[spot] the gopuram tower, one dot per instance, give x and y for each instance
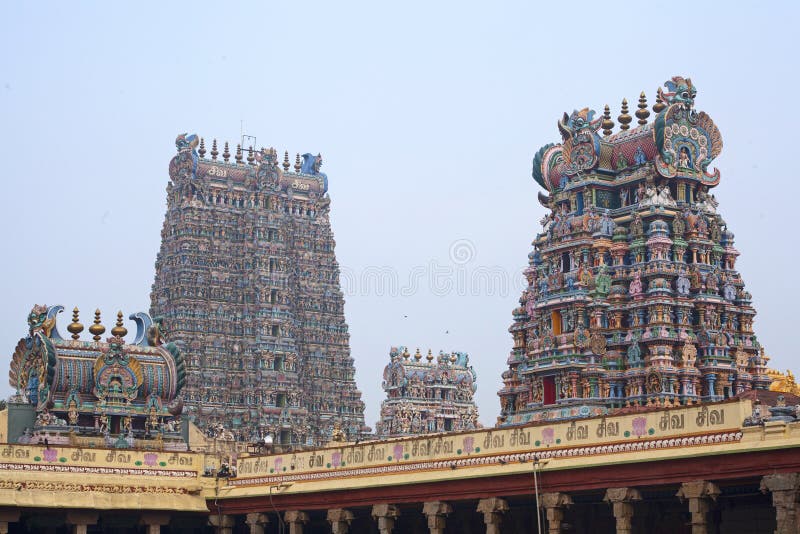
(633, 295)
(248, 283)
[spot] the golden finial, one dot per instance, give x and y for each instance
(607, 123)
(453, 359)
(226, 155)
(97, 329)
(642, 113)
(202, 149)
(214, 151)
(429, 357)
(297, 165)
(75, 328)
(406, 355)
(238, 154)
(286, 163)
(250, 157)
(417, 355)
(624, 119)
(659, 106)
(119, 330)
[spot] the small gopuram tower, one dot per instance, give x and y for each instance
(430, 395)
(93, 392)
(248, 284)
(633, 295)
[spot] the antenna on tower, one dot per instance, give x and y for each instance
(251, 138)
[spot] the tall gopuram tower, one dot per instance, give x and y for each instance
(247, 281)
(430, 395)
(633, 295)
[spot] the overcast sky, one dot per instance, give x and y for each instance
(427, 115)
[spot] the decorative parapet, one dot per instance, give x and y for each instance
(587, 440)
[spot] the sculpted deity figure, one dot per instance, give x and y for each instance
(636, 226)
(636, 284)
(639, 157)
(682, 284)
(623, 197)
(683, 159)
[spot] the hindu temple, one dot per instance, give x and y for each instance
(433, 394)
(633, 295)
(247, 283)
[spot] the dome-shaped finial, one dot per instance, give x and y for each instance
(238, 154)
(297, 165)
(406, 355)
(452, 358)
(624, 119)
(608, 123)
(417, 355)
(214, 151)
(202, 149)
(97, 329)
(286, 163)
(119, 330)
(75, 328)
(642, 113)
(429, 357)
(250, 157)
(659, 106)
(226, 154)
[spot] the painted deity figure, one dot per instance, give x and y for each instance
(634, 352)
(684, 162)
(729, 292)
(682, 284)
(606, 224)
(639, 156)
(636, 226)
(636, 284)
(623, 197)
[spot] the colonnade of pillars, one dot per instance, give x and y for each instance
(698, 495)
(81, 520)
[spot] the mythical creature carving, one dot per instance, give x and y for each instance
(311, 165)
(33, 364)
(581, 140)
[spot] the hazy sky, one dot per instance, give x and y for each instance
(427, 115)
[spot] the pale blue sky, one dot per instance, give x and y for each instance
(427, 115)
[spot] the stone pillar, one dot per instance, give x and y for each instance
(80, 520)
(296, 520)
(622, 499)
(492, 509)
(153, 521)
(340, 520)
(436, 512)
(783, 487)
(385, 514)
(554, 504)
(256, 522)
(7, 516)
(223, 524)
(699, 493)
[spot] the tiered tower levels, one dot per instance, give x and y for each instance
(430, 394)
(248, 281)
(633, 294)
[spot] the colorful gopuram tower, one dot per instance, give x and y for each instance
(633, 295)
(247, 281)
(430, 395)
(96, 393)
